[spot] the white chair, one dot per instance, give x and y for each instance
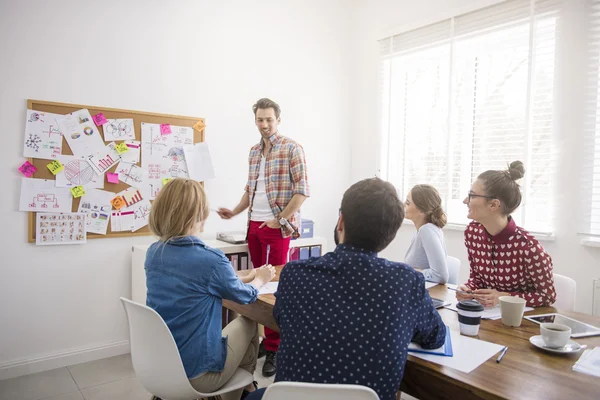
(318, 391)
(156, 360)
(453, 265)
(565, 288)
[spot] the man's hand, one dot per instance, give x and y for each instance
(273, 224)
(225, 213)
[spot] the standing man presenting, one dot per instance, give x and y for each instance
(277, 186)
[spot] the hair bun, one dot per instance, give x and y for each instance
(516, 170)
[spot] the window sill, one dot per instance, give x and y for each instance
(590, 241)
(542, 237)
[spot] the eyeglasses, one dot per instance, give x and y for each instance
(471, 195)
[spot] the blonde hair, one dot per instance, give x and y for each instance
(427, 199)
(179, 206)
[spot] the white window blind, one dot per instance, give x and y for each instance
(590, 192)
(470, 94)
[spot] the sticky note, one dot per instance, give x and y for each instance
(77, 191)
(166, 180)
(165, 129)
(199, 126)
(121, 148)
(112, 177)
(27, 169)
(55, 167)
(118, 202)
(99, 119)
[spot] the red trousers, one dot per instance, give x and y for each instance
(258, 240)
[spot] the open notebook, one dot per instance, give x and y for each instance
(445, 350)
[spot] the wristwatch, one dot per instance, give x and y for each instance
(282, 221)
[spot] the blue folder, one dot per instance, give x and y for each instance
(445, 350)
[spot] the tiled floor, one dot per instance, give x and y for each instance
(111, 378)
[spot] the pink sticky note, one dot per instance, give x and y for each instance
(27, 169)
(99, 119)
(165, 129)
(112, 178)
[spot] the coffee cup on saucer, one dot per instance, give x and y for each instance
(555, 335)
(469, 316)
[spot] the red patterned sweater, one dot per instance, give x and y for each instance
(512, 261)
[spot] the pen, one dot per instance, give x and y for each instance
(459, 291)
(502, 354)
(268, 251)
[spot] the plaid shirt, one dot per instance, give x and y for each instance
(285, 176)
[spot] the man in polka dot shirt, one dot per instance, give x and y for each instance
(348, 317)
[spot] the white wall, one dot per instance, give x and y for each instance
(209, 59)
(380, 18)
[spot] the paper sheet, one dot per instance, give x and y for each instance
(133, 154)
(488, 313)
(132, 175)
(43, 138)
(163, 155)
(81, 133)
(118, 129)
(130, 196)
(141, 212)
(77, 172)
(60, 228)
(104, 159)
(469, 353)
(42, 195)
(122, 221)
(96, 204)
(429, 285)
(269, 288)
(199, 162)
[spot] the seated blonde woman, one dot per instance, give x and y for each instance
(427, 251)
(187, 282)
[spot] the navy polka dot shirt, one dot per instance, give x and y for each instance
(348, 317)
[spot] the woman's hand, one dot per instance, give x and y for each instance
(488, 297)
(246, 275)
(464, 296)
(264, 275)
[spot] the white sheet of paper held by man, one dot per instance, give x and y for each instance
(43, 195)
(81, 133)
(96, 204)
(77, 172)
(199, 162)
(43, 138)
(66, 228)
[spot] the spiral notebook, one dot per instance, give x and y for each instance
(445, 350)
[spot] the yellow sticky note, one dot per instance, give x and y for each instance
(121, 148)
(166, 180)
(55, 167)
(199, 126)
(77, 191)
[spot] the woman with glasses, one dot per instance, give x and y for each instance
(427, 251)
(505, 259)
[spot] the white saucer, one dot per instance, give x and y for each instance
(571, 346)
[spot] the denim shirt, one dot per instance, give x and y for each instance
(349, 316)
(187, 282)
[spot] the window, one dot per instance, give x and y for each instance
(470, 94)
(590, 193)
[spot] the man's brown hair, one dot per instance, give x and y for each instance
(265, 103)
(372, 213)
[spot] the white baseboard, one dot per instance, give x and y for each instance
(13, 369)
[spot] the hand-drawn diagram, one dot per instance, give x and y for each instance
(43, 138)
(80, 132)
(130, 196)
(60, 229)
(103, 160)
(118, 129)
(142, 213)
(132, 175)
(79, 172)
(42, 195)
(96, 204)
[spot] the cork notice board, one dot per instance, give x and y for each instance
(110, 113)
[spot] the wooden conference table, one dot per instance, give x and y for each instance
(525, 372)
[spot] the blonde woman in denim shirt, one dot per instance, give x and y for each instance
(187, 282)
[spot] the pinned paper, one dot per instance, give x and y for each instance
(77, 191)
(165, 129)
(55, 167)
(118, 202)
(121, 148)
(27, 169)
(112, 177)
(166, 180)
(199, 126)
(99, 119)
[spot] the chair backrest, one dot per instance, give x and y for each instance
(154, 354)
(318, 391)
(566, 289)
(453, 265)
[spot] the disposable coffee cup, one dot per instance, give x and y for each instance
(469, 316)
(555, 336)
(511, 309)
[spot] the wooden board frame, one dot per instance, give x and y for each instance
(110, 113)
